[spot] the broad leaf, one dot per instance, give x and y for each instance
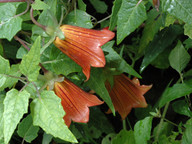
(4, 69)
(1, 115)
(181, 9)
(152, 26)
(162, 60)
(174, 92)
(47, 18)
(179, 57)
(159, 43)
(10, 81)
(82, 6)
(188, 30)
(124, 137)
(46, 138)
(130, 16)
(114, 60)
(48, 113)
(21, 52)
(15, 105)
(100, 6)
(166, 129)
(9, 23)
(4, 66)
(97, 83)
(39, 5)
(30, 62)
(26, 130)
(1, 49)
(105, 127)
(108, 138)
(61, 63)
(186, 139)
(142, 130)
(169, 20)
(79, 18)
(181, 107)
(114, 16)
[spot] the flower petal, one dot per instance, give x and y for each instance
(83, 46)
(75, 101)
(127, 94)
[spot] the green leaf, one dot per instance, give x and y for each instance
(188, 30)
(141, 113)
(124, 137)
(174, 92)
(97, 83)
(48, 113)
(108, 138)
(1, 50)
(2, 97)
(4, 69)
(188, 43)
(21, 52)
(114, 16)
(47, 18)
(181, 107)
(130, 16)
(162, 60)
(114, 60)
(10, 81)
(46, 138)
(159, 43)
(100, 6)
(181, 9)
(9, 23)
(26, 129)
(81, 5)
(179, 57)
(186, 139)
(4, 65)
(142, 130)
(105, 127)
(152, 26)
(25, 17)
(61, 63)
(166, 129)
(79, 18)
(10, 48)
(169, 20)
(30, 62)
(15, 105)
(39, 5)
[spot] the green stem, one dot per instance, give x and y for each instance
(173, 123)
(187, 97)
(47, 44)
(124, 124)
(161, 122)
(103, 19)
(20, 78)
(129, 124)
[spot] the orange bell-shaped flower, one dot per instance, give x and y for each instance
(75, 101)
(83, 46)
(127, 94)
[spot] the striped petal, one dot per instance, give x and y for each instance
(83, 46)
(127, 94)
(75, 101)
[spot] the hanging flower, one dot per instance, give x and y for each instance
(83, 46)
(75, 101)
(127, 94)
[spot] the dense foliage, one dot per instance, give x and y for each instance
(153, 41)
